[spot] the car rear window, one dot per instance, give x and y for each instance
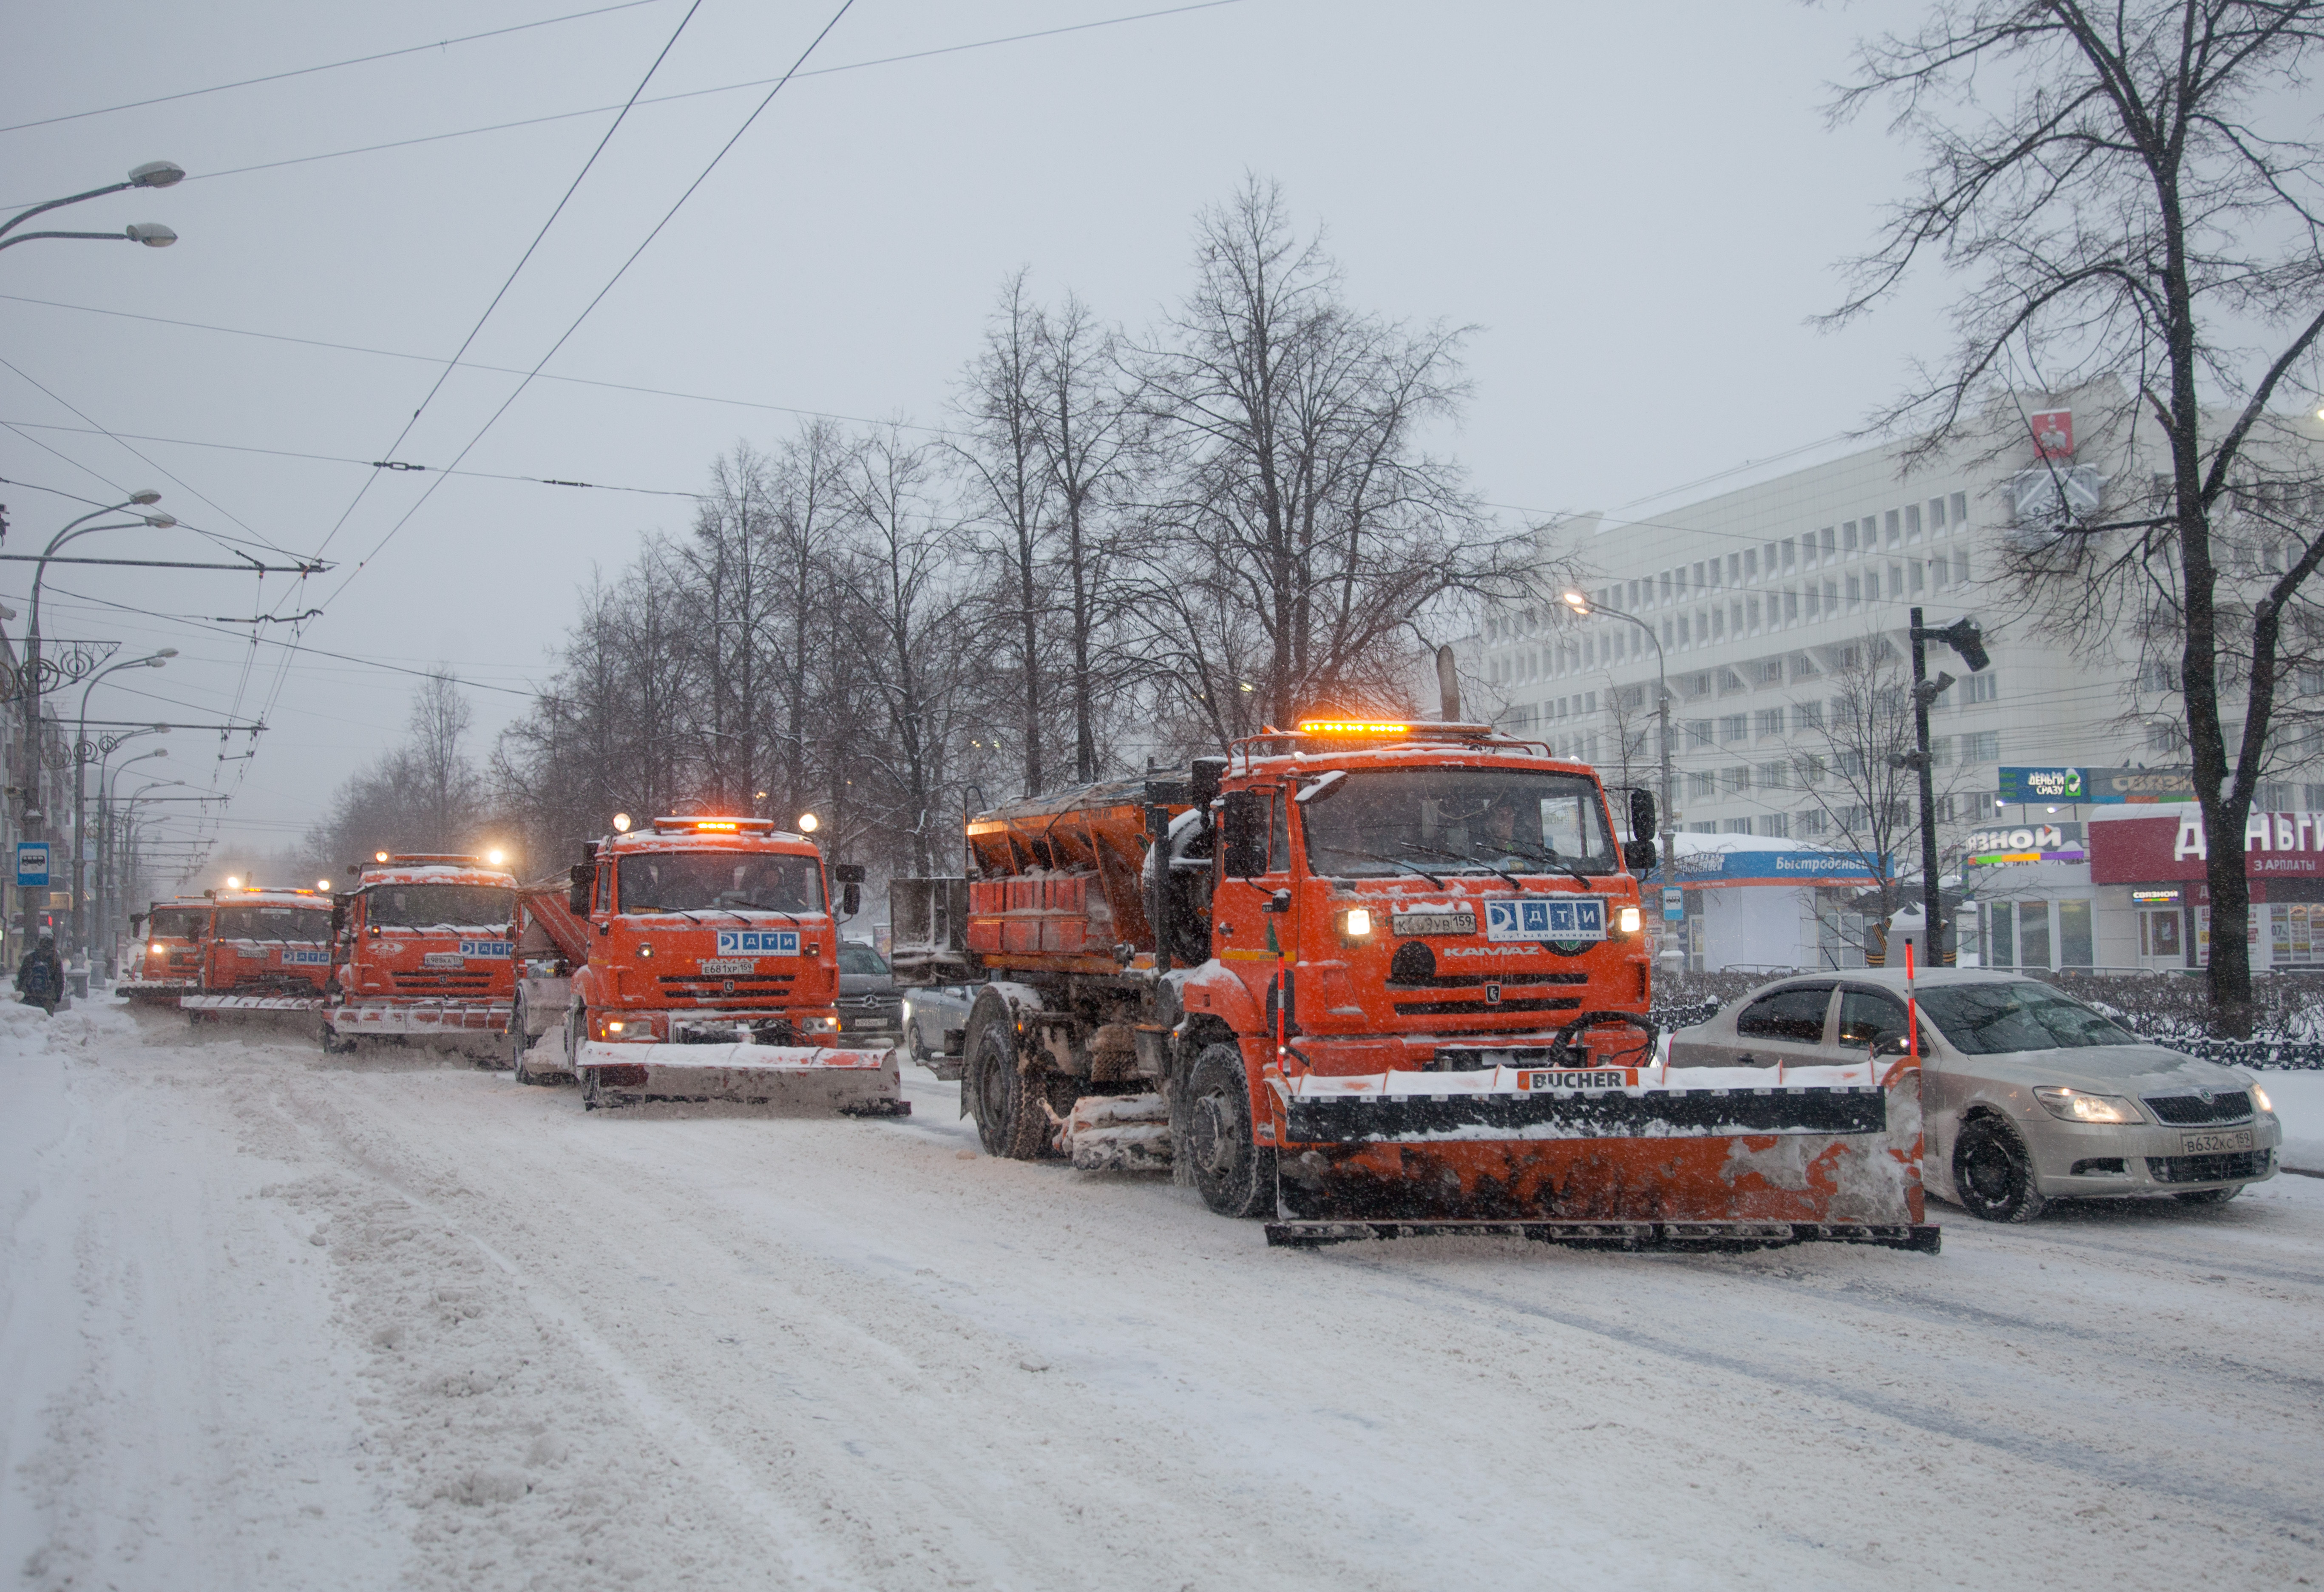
(1795, 1015)
(1866, 1017)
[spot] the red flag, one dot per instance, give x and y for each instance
(2054, 434)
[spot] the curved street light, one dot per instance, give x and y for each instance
(105, 809)
(152, 234)
(82, 748)
(1585, 608)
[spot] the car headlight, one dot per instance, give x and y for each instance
(2073, 1105)
(2265, 1103)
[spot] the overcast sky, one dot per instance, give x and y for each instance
(1638, 208)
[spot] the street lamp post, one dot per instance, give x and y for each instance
(105, 821)
(30, 677)
(1585, 607)
(152, 234)
(85, 751)
(1964, 637)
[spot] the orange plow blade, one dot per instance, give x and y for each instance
(1607, 1158)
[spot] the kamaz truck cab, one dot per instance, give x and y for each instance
(266, 950)
(423, 953)
(700, 961)
(167, 964)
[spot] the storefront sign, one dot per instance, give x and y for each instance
(1710, 869)
(2149, 850)
(2103, 786)
(2028, 843)
(2155, 897)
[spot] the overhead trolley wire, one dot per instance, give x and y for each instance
(645, 243)
(853, 65)
(328, 66)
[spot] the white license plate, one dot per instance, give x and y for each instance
(2215, 1143)
(1432, 922)
(727, 967)
(871, 1023)
(449, 961)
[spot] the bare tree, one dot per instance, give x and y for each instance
(1847, 752)
(2144, 207)
(1301, 500)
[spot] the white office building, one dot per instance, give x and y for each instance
(1780, 611)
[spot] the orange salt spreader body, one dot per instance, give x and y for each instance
(1376, 979)
(697, 959)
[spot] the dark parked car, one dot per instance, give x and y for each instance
(870, 1005)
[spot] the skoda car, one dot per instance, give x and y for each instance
(2030, 1095)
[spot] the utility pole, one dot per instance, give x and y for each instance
(1964, 637)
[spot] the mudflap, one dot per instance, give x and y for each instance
(795, 1077)
(1692, 1159)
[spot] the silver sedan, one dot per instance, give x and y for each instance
(2029, 1095)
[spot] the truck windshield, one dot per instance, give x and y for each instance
(721, 881)
(1456, 820)
(177, 922)
(439, 906)
(309, 924)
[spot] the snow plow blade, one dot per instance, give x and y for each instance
(233, 1002)
(425, 1017)
(856, 1082)
(153, 992)
(1608, 1157)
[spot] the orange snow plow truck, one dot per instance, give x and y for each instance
(695, 960)
(422, 954)
(168, 961)
(267, 952)
(1375, 980)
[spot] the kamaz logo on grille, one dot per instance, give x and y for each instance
(757, 942)
(1546, 917)
(483, 948)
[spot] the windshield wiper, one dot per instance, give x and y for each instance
(1394, 862)
(1555, 861)
(1514, 883)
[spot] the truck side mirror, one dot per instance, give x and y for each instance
(1642, 815)
(851, 898)
(1244, 852)
(848, 874)
(584, 879)
(1204, 788)
(1639, 856)
(338, 916)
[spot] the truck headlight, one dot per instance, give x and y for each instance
(1631, 919)
(2073, 1105)
(1360, 922)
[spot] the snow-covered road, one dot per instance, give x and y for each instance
(273, 1320)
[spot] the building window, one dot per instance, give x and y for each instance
(1788, 565)
(1855, 591)
(1981, 688)
(1936, 515)
(1848, 535)
(1811, 599)
(1807, 715)
(1913, 521)
(1736, 827)
(1825, 537)
(1941, 750)
(1791, 607)
(1735, 727)
(1754, 606)
(1735, 779)
(1698, 733)
(1771, 671)
(1896, 528)
(1776, 826)
(2168, 738)
(1960, 508)
(1984, 746)
(1916, 575)
(1701, 784)
(1811, 771)
(1810, 822)
(1772, 776)
(1768, 721)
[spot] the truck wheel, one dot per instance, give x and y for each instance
(517, 1037)
(1993, 1175)
(1010, 1122)
(336, 1044)
(1235, 1176)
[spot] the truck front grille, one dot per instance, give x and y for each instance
(1484, 1008)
